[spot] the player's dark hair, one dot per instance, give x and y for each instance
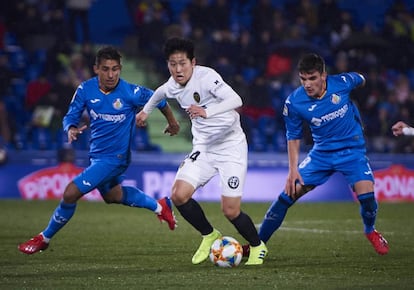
(107, 52)
(311, 62)
(177, 44)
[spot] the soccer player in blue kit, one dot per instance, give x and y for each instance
(323, 102)
(112, 104)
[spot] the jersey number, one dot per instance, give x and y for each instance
(194, 156)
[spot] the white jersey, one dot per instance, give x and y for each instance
(207, 89)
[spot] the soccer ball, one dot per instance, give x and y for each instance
(226, 252)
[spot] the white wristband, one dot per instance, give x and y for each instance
(408, 131)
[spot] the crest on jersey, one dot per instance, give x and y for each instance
(335, 99)
(196, 97)
(117, 104)
(233, 182)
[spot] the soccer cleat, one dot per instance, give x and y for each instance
(204, 249)
(33, 245)
(167, 213)
(378, 242)
(257, 254)
(246, 250)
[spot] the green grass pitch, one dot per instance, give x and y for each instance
(319, 246)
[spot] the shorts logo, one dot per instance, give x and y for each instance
(196, 97)
(233, 182)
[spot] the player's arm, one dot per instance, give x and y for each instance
(401, 128)
(293, 147)
(157, 97)
(72, 117)
(230, 100)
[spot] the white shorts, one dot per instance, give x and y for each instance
(230, 163)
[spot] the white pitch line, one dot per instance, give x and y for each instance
(318, 231)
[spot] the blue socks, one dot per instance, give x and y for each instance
(134, 197)
(368, 210)
(275, 216)
(60, 217)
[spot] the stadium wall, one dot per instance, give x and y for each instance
(38, 175)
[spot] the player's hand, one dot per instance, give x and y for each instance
(397, 128)
(140, 119)
(291, 187)
(73, 133)
(196, 111)
(172, 129)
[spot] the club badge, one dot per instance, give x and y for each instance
(196, 97)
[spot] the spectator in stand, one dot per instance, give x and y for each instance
(78, 12)
(78, 70)
(36, 89)
(262, 16)
(6, 77)
(200, 13)
(329, 14)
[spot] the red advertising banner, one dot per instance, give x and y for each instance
(395, 183)
(49, 183)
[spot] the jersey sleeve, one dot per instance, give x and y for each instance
(156, 100)
(76, 108)
(229, 99)
(293, 122)
(145, 95)
(353, 79)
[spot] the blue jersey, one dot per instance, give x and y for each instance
(334, 120)
(112, 116)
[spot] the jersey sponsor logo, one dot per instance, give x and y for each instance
(136, 90)
(196, 97)
(311, 108)
(316, 121)
(117, 104)
(233, 182)
(340, 113)
(94, 101)
(335, 99)
(107, 117)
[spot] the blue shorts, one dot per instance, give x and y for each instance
(318, 166)
(102, 174)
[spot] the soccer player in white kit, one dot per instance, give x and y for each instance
(219, 146)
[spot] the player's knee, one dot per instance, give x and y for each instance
(114, 195)
(71, 193)
(230, 212)
(181, 193)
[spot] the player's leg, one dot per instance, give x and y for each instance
(274, 216)
(192, 212)
(368, 211)
(246, 228)
(194, 172)
(315, 169)
(60, 217)
(358, 173)
(113, 192)
(132, 196)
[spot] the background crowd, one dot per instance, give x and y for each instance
(46, 50)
